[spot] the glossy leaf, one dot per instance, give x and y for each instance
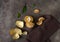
(24, 9)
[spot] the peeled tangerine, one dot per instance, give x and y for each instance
(29, 24)
(28, 19)
(16, 36)
(20, 24)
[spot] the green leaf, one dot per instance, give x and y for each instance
(18, 15)
(24, 9)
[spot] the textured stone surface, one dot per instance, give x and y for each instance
(8, 15)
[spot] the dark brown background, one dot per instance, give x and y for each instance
(8, 15)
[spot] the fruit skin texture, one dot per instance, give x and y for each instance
(28, 19)
(30, 25)
(20, 24)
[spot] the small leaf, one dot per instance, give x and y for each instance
(24, 9)
(18, 15)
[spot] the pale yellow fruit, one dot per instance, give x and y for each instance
(41, 19)
(20, 24)
(28, 19)
(39, 23)
(25, 33)
(15, 31)
(18, 31)
(29, 24)
(36, 11)
(16, 36)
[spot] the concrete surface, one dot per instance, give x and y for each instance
(10, 8)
